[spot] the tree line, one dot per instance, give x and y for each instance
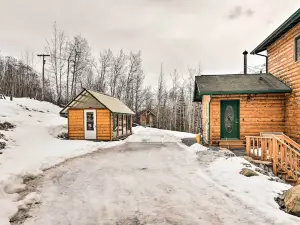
(72, 67)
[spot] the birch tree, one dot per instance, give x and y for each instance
(56, 47)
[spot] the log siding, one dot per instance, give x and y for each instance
(282, 63)
(258, 113)
(104, 124)
(76, 124)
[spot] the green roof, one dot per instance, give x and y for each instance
(281, 30)
(238, 84)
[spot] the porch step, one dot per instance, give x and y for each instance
(232, 144)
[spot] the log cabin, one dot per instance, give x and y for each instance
(97, 116)
(238, 105)
(282, 49)
(146, 118)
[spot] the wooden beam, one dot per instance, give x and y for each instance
(122, 124)
(248, 143)
(111, 125)
(117, 125)
(130, 124)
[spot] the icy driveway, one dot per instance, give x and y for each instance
(137, 183)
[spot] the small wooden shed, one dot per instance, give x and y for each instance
(239, 105)
(146, 118)
(97, 116)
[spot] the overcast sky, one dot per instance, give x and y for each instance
(177, 33)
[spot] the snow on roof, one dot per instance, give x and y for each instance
(86, 99)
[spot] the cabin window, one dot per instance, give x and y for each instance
(297, 48)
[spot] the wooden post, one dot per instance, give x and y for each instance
(275, 155)
(259, 156)
(281, 155)
(270, 148)
(122, 124)
(263, 148)
(111, 125)
(248, 143)
(117, 125)
(130, 124)
(253, 146)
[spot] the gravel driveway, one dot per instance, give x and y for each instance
(137, 183)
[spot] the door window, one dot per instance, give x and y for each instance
(229, 118)
(90, 121)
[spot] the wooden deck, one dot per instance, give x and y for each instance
(278, 149)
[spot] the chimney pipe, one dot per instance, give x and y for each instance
(245, 53)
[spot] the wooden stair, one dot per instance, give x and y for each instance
(282, 151)
(232, 144)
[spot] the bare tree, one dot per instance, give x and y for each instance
(134, 69)
(160, 90)
(80, 58)
(139, 78)
(117, 69)
(56, 47)
(102, 69)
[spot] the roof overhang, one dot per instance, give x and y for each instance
(198, 98)
(86, 95)
(198, 94)
(277, 34)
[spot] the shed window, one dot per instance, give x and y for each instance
(297, 48)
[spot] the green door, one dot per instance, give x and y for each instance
(230, 119)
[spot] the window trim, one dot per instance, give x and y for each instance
(297, 38)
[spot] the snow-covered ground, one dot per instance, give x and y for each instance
(150, 177)
(156, 183)
(147, 134)
(256, 192)
(32, 146)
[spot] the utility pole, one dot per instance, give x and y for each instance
(43, 78)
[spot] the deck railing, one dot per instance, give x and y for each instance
(283, 152)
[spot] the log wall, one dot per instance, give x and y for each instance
(258, 113)
(282, 64)
(76, 124)
(104, 124)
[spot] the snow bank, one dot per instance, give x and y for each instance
(257, 192)
(32, 146)
(147, 134)
(197, 148)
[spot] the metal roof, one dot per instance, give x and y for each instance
(281, 30)
(92, 99)
(238, 84)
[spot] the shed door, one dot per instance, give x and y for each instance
(230, 119)
(90, 129)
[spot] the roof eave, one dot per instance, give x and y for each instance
(246, 92)
(275, 35)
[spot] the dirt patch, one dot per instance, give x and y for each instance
(2, 145)
(63, 135)
(129, 221)
(31, 183)
(7, 126)
(32, 110)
